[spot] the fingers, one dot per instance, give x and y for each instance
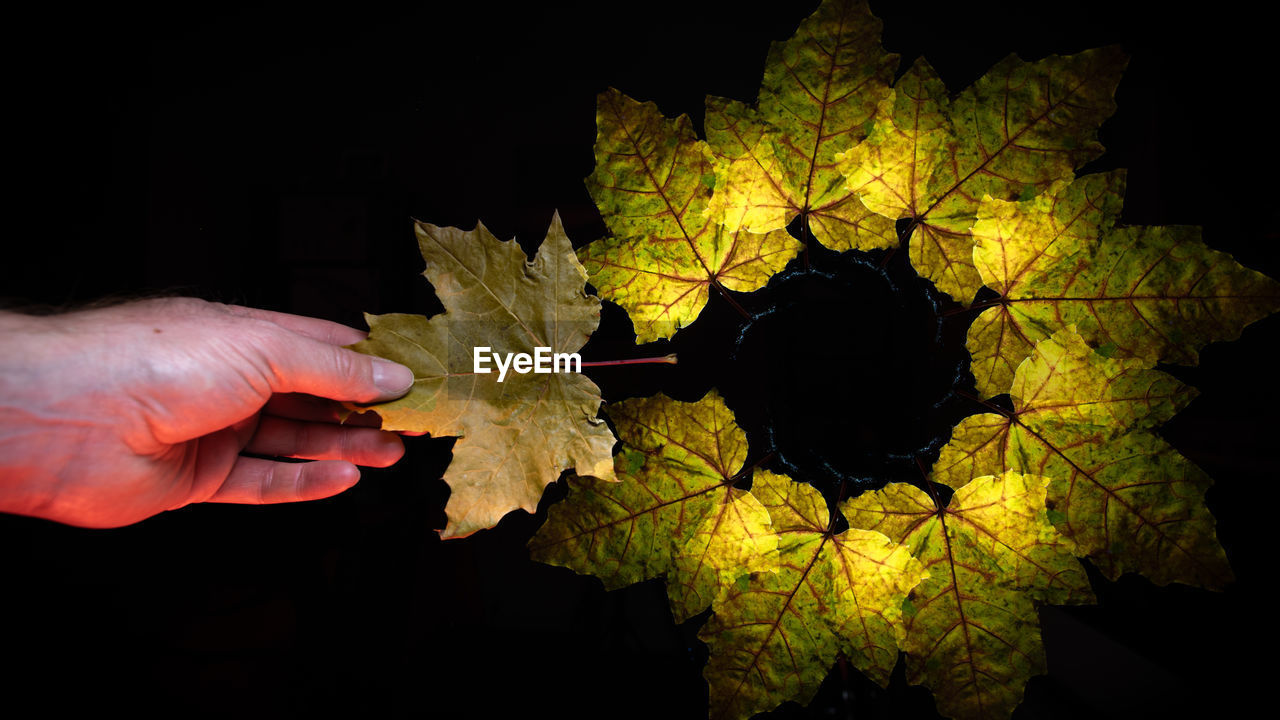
(307, 407)
(282, 437)
(305, 356)
(303, 365)
(331, 333)
(255, 481)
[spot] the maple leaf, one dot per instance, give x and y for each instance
(652, 183)
(1125, 497)
(1150, 292)
(788, 594)
(1019, 128)
(774, 635)
(516, 436)
(675, 511)
(972, 632)
(820, 91)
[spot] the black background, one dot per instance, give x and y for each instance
(274, 157)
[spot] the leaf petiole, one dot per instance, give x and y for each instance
(664, 360)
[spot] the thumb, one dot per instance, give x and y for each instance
(303, 365)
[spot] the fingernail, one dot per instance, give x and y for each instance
(391, 378)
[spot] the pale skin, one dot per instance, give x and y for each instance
(113, 415)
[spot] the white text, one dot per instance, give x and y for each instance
(542, 361)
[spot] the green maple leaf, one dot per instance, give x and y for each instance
(688, 216)
(774, 637)
(675, 512)
(1019, 128)
(820, 92)
(788, 594)
(515, 436)
(972, 632)
(1149, 292)
(653, 182)
(1124, 496)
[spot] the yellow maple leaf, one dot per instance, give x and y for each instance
(515, 435)
(972, 632)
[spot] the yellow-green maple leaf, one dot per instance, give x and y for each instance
(1151, 292)
(652, 183)
(1125, 497)
(1010, 135)
(516, 436)
(972, 632)
(778, 160)
(675, 511)
(774, 635)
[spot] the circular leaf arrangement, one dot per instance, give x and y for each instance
(840, 183)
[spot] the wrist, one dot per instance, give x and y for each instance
(29, 459)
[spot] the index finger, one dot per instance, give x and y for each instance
(323, 330)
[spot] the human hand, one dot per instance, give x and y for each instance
(112, 415)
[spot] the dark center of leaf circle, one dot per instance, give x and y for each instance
(848, 372)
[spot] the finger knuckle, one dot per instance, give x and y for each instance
(352, 367)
